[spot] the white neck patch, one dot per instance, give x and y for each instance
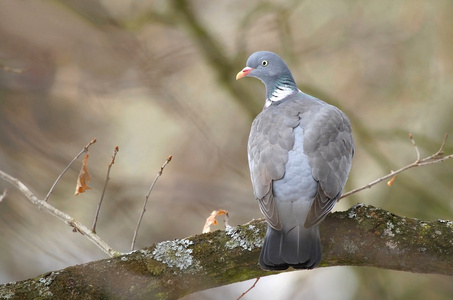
(279, 93)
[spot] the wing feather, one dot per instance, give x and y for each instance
(270, 140)
(330, 147)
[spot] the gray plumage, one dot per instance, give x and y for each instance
(300, 151)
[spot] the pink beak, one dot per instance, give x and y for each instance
(246, 71)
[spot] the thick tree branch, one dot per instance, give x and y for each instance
(361, 236)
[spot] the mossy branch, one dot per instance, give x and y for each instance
(361, 236)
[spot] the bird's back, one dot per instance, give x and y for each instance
(300, 151)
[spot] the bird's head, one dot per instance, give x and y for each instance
(264, 65)
(270, 69)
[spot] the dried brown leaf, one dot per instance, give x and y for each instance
(84, 177)
(390, 182)
(211, 220)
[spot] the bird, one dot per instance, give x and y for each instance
(300, 151)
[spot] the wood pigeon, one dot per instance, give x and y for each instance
(300, 151)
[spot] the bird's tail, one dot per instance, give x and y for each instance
(298, 247)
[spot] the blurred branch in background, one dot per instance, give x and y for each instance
(3, 195)
(212, 50)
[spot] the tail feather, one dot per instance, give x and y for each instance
(298, 247)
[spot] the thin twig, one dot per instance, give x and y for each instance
(417, 152)
(244, 293)
(441, 150)
(77, 226)
(226, 220)
(98, 209)
(146, 201)
(419, 162)
(3, 196)
(84, 150)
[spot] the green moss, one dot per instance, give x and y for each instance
(154, 267)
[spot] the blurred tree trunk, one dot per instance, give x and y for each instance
(361, 236)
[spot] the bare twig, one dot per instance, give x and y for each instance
(440, 152)
(146, 200)
(84, 150)
(3, 196)
(78, 227)
(244, 293)
(226, 220)
(115, 151)
(417, 152)
(419, 162)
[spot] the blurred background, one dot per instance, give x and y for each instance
(157, 78)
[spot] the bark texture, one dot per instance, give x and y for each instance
(360, 236)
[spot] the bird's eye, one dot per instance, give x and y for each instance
(264, 63)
